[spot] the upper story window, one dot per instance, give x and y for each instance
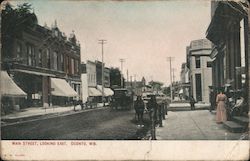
(72, 66)
(197, 62)
(31, 55)
(209, 64)
(62, 62)
(39, 63)
(77, 66)
(54, 64)
(19, 50)
(67, 64)
(48, 58)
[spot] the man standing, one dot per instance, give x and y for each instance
(152, 104)
(192, 102)
(139, 109)
(212, 99)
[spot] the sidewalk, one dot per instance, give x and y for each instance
(194, 125)
(186, 106)
(41, 111)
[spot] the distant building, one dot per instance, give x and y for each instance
(106, 77)
(199, 64)
(91, 73)
(92, 79)
(138, 87)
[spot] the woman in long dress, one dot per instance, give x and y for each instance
(221, 113)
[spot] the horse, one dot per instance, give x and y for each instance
(139, 110)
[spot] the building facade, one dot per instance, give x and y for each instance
(91, 73)
(38, 58)
(199, 64)
(106, 77)
(92, 80)
(185, 82)
(230, 46)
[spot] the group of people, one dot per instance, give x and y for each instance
(156, 109)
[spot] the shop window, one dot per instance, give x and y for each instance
(197, 62)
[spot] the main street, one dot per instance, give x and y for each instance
(102, 123)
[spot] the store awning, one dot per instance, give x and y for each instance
(33, 72)
(93, 92)
(60, 87)
(107, 91)
(9, 88)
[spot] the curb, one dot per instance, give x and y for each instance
(48, 116)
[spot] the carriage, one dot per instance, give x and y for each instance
(122, 99)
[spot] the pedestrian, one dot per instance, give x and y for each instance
(152, 106)
(221, 113)
(212, 99)
(192, 102)
(139, 109)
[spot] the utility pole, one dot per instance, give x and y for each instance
(174, 69)
(170, 59)
(102, 42)
(122, 60)
(127, 77)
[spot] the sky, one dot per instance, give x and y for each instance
(144, 33)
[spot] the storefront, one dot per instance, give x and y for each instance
(95, 95)
(11, 94)
(108, 93)
(62, 93)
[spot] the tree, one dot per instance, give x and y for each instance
(14, 21)
(166, 91)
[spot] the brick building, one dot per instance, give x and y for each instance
(44, 63)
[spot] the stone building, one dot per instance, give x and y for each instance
(229, 36)
(184, 82)
(199, 64)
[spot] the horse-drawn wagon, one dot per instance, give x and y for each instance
(122, 99)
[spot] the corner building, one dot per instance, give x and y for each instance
(199, 64)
